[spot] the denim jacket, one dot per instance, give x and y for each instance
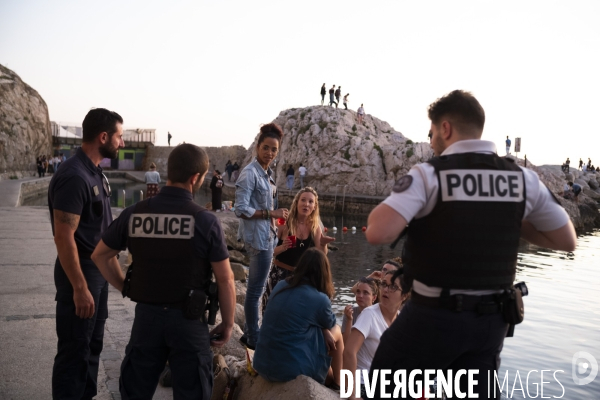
(254, 192)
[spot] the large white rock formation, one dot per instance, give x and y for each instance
(336, 150)
(24, 125)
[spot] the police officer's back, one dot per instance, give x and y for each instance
(176, 245)
(467, 209)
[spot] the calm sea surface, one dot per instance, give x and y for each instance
(562, 311)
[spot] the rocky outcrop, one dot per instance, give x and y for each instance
(25, 130)
(336, 150)
(217, 155)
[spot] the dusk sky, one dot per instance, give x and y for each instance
(212, 72)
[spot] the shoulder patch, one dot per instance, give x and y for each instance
(402, 184)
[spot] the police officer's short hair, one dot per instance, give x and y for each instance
(459, 106)
(99, 120)
(186, 160)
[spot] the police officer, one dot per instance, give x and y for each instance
(174, 243)
(467, 209)
(79, 204)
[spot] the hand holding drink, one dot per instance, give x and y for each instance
(292, 239)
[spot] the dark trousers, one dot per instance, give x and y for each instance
(75, 371)
(424, 337)
(160, 334)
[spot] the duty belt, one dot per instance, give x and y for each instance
(488, 304)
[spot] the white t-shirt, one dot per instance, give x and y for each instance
(302, 171)
(371, 324)
(361, 110)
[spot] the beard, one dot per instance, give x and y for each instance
(108, 151)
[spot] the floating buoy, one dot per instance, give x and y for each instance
(325, 229)
(353, 229)
(334, 229)
(345, 228)
(364, 228)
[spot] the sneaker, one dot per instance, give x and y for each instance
(244, 341)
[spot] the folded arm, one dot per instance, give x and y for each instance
(105, 259)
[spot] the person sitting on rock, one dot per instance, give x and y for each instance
(299, 334)
(565, 166)
(576, 190)
(303, 223)
(366, 293)
(373, 321)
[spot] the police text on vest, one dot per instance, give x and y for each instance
(163, 226)
(482, 185)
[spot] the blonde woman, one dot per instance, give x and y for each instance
(303, 224)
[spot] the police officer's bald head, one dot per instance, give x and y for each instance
(185, 161)
(462, 109)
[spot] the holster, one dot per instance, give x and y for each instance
(195, 304)
(513, 309)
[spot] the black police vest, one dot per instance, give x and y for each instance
(166, 265)
(471, 237)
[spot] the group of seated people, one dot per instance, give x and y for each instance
(299, 333)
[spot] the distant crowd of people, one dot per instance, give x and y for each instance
(585, 167)
(334, 98)
(49, 164)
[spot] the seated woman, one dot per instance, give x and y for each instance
(372, 322)
(299, 334)
(304, 223)
(366, 295)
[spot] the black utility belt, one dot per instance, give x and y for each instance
(486, 304)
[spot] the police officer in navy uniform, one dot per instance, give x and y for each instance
(467, 209)
(79, 204)
(176, 245)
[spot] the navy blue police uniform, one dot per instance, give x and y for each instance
(80, 188)
(465, 210)
(172, 241)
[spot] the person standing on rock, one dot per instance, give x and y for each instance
(360, 114)
(565, 167)
(152, 179)
(461, 276)
(216, 188)
(338, 93)
(580, 164)
(323, 93)
(256, 205)
(169, 136)
(229, 169)
(235, 168)
(289, 176)
(302, 171)
(170, 282)
(79, 205)
(331, 95)
(508, 143)
(346, 101)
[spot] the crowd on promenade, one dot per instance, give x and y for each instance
(49, 164)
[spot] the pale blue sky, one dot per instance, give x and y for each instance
(212, 72)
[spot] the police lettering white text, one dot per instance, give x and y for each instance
(482, 185)
(163, 226)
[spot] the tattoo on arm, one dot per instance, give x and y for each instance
(72, 220)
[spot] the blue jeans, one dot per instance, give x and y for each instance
(301, 181)
(260, 264)
(290, 182)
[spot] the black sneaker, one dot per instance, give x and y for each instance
(244, 341)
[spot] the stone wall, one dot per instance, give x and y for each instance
(217, 155)
(35, 188)
(24, 126)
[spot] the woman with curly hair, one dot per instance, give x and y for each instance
(303, 224)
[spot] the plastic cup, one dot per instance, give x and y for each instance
(281, 221)
(293, 239)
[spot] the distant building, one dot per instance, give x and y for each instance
(66, 139)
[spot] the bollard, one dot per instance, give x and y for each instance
(124, 199)
(141, 195)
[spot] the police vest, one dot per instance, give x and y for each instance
(471, 237)
(166, 265)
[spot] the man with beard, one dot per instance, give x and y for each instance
(176, 246)
(79, 204)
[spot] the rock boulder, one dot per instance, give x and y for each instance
(25, 131)
(302, 387)
(336, 150)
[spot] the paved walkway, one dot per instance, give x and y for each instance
(27, 307)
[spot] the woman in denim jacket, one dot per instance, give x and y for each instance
(255, 203)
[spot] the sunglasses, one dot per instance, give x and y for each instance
(106, 185)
